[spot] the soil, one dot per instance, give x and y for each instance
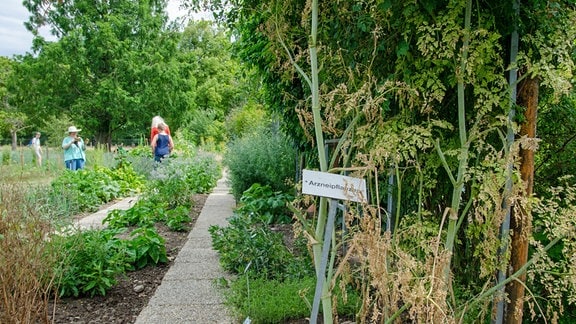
(130, 295)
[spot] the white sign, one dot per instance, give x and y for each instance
(333, 186)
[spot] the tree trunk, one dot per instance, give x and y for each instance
(14, 140)
(521, 219)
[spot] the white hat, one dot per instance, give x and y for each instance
(73, 129)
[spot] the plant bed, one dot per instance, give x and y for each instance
(130, 295)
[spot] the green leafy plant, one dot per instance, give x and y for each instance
(276, 301)
(177, 218)
(248, 240)
(263, 201)
(90, 261)
(146, 247)
(144, 213)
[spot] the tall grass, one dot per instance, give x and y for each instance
(26, 275)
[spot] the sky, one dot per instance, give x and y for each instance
(15, 39)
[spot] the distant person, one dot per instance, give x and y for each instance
(154, 128)
(73, 145)
(35, 144)
(162, 143)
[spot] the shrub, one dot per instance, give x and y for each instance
(264, 157)
(247, 240)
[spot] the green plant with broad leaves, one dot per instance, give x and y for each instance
(88, 189)
(90, 261)
(176, 219)
(144, 213)
(146, 247)
(270, 205)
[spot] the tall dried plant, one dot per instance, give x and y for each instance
(26, 275)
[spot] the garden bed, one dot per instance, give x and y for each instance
(125, 301)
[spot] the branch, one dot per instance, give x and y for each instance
(298, 68)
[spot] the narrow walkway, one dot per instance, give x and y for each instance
(188, 293)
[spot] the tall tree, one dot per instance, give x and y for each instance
(205, 48)
(113, 67)
(12, 119)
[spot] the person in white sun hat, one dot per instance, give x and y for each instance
(73, 145)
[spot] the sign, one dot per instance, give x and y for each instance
(335, 186)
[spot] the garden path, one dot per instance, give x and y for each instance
(188, 293)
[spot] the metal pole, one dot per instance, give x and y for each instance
(321, 274)
(505, 227)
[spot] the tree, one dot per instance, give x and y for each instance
(11, 118)
(113, 68)
(219, 87)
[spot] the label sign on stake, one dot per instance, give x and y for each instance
(333, 186)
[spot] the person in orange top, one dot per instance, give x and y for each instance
(154, 129)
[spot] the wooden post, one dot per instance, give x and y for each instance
(521, 219)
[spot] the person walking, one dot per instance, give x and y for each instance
(35, 143)
(157, 120)
(73, 145)
(162, 143)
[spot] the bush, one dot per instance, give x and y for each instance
(265, 157)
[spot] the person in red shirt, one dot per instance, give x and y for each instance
(154, 129)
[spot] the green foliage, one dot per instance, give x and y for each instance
(177, 218)
(247, 119)
(551, 277)
(100, 67)
(146, 247)
(88, 189)
(143, 213)
(90, 261)
(274, 301)
(218, 83)
(269, 205)
(265, 157)
(248, 243)
(178, 178)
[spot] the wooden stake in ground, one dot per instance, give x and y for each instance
(521, 218)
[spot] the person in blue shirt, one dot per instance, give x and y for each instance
(162, 143)
(73, 145)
